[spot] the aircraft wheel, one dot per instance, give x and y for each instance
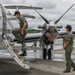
(49, 54)
(44, 53)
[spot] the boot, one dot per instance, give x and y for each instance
(44, 53)
(66, 71)
(74, 69)
(23, 54)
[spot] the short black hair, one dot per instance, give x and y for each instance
(16, 12)
(69, 27)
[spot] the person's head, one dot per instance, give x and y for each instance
(68, 28)
(17, 14)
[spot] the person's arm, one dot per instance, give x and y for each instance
(23, 28)
(66, 44)
(67, 41)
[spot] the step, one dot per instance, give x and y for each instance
(21, 58)
(12, 44)
(16, 52)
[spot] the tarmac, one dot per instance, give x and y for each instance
(8, 68)
(38, 67)
(56, 66)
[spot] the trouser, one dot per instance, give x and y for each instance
(69, 62)
(17, 34)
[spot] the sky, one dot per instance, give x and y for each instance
(52, 10)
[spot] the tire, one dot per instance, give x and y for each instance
(44, 53)
(49, 54)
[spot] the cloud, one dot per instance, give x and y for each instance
(52, 10)
(48, 4)
(13, 2)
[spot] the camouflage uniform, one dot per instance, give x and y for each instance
(17, 32)
(68, 51)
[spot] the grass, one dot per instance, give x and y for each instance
(33, 31)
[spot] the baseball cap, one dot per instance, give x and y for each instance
(69, 27)
(16, 12)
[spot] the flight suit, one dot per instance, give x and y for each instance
(17, 32)
(68, 51)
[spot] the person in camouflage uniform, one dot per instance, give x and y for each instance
(68, 47)
(22, 31)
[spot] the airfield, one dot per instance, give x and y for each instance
(34, 58)
(38, 66)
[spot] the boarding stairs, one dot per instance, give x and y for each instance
(14, 53)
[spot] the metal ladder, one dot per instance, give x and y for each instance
(14, 54)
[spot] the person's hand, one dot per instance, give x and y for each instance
(22, 32)
(64, 48)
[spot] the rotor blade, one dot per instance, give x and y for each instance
(41, 15)
(63, 14)
(21, 7)
(59, 33)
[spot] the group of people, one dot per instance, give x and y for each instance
(68, 41)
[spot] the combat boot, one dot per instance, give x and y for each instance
(23, 54)
(74, 69)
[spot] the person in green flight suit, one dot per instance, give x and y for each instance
(68, 47)
(21, 32)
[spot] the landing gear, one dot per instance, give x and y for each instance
(44, 53)
(47, 52)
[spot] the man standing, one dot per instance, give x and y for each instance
(68, 47)
(22, 31)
